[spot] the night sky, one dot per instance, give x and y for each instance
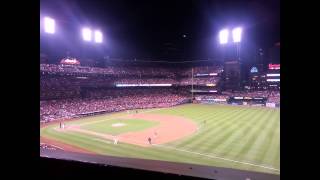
(159, 29)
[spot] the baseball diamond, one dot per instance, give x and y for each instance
(186, 88)
(246, 138)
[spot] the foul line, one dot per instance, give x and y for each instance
(217, 157)
(182, 150)
(100, 140)
(52, 146)
(57, 147)
(202, 154)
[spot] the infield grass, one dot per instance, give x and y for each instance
(237, 137)
(124, 125)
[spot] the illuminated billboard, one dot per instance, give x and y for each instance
(273, 75)
(274, 66)
(210, 84)
(273, 80)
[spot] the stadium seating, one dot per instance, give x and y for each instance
(110, 101)
(67, 91)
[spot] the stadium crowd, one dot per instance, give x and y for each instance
(201, 70)
(251, 94)
(204, 97)
(49, 82)
(141, 71)
(70, 91)
(199, 81)
(109, 70)
(146, 81)
(274, 97)
(109, 101)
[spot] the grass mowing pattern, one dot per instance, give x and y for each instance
(246, 134)
(129, 125)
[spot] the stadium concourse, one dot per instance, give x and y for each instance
(72, 91)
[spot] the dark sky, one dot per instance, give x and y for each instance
(155, 28)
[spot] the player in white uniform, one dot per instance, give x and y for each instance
(115, 141)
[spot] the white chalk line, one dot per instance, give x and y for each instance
(182, 150)
(56, 146)
(217, 157)
(206, 155)
(100, 140)
(52, 146)
(123, 140)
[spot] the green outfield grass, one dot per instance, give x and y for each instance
(237, 137)
(130, 125)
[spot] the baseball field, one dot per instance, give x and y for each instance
(239, 137)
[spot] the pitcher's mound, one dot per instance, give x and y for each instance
(118, 124)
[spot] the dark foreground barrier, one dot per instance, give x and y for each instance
(108, 166)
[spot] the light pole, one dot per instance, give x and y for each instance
(224, 36)
(236, 35)
(232, 80)
(47, 33)
(223, 40)
(90, 37)
(49, 25)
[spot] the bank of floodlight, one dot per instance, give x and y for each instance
(49, 25)
(98, 36)
(223, 36)
(86, 34)
(236, 34)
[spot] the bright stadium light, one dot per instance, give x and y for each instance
(86, 34)
(49, 25)
(272, 75)
(236, 34)
(98, 36)
(223, 36)
(273, 80)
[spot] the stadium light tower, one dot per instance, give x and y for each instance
(49, 25)
(86, 34)
(236, 34)
(98, 36)
(223, 36)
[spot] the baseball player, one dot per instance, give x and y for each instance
(115, 141)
